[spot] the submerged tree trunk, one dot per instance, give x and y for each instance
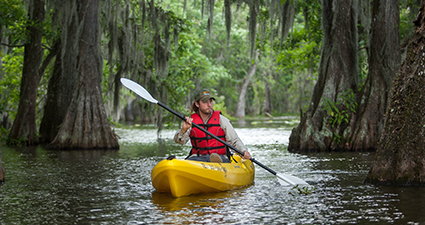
(384, 61)
(320, 127)
(86, 124)
(400, 158)
(24, 127)
(61, 83)
(240, 108)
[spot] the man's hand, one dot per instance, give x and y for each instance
(246, 155)
(187, 124)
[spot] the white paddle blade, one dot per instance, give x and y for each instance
(287, 180)
(138, 89)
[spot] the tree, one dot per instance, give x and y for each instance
(61, 83)
(86, 124)
(352, 119)
(338, 74)
(384, 62)
(1, 170)
(240, 108)
(400, 156)
(24, 126)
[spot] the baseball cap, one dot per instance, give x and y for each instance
(203, 95)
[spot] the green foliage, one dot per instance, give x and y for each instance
(337, 111)
(113, 123)
(11, 83)
(306, 190)
(16, 142)
(408, 12)
(341, 110)
(219, 106)
(4, 133)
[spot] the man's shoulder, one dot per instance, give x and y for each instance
(224, 119)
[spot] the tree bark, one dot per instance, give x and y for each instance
(384, 61)
(267, 109)
(338, 72)
(400, 158)
(240, 108)
(86, 124)
(59, 93)
(1, 170)
(24, 127)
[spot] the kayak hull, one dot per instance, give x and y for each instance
(185, 177)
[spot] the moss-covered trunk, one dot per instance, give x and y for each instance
(319, 127)
(384, 62)
(86, 124)
(61, 83)
(400, 158)
(340, 118)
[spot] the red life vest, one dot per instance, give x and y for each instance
(202, 143)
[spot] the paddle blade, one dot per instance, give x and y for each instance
(138, 89)
(286, 180)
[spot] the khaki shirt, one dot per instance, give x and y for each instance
(231, 137)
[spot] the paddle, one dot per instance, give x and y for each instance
(284, 179)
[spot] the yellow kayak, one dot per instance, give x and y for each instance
(185, 177)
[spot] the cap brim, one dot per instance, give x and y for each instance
(206, 97)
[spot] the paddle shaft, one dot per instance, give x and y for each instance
(215, 137)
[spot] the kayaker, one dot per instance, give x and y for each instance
(204, 147)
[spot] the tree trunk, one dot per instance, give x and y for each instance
(400, 158)
(320, 130)
(240, 108)
(1, 170)
(267, 109)
(24, 126)
(86, 124)
(384, 61)
(59, 93)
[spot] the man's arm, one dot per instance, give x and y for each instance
(182, 138)
(231, 136)
(183, 135)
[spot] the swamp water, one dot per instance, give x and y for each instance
(114, 187)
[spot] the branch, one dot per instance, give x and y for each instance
(14, 46)
(52, 53)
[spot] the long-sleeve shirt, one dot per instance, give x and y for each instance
(231, 136)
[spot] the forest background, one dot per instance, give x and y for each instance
(258, 57)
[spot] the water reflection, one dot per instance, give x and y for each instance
(94, 187)
(167, 202)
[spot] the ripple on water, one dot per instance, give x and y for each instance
(92, 187)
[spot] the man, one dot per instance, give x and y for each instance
(204, 147)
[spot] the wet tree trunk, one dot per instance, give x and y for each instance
(61, 83)
(240, 108)
(86, 124)
(24, 127)
(384, 61)
(338, 74)
(400, 158)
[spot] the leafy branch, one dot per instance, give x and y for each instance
(340, 111)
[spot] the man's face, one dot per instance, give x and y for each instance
(205, 107)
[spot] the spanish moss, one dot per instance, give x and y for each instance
(228, 19)
(253, 5)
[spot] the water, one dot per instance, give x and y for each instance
(113, 187)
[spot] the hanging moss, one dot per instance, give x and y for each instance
(253, 5)
(228, 19)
